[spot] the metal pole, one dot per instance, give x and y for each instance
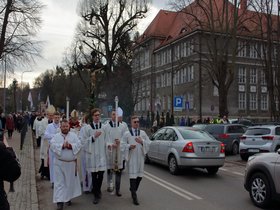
(4, 92)
(67, 107)
(116, 104)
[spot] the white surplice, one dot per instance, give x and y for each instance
(86, 176)
(50, 131)
(66, 182)
(44, 147)
(136, 157)
(95, 150)
(114, 155)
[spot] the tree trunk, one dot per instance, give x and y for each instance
(223, 103)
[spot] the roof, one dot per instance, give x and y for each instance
(168, 26)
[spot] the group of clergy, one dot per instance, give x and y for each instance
(100, 148)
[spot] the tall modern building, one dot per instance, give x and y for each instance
(174, 57)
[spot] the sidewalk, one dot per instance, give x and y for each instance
(25, 196)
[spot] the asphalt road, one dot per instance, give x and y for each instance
(159, 190)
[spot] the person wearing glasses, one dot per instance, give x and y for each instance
(137, 145)
(94, 142)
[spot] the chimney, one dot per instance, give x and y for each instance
(243, 4)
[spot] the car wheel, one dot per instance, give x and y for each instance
(276, 149)
(173, 166)
(235, 148)
(147, 159)
(260, 191)
(244, 157)
(212, 170)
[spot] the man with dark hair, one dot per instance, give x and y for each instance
(93, 139)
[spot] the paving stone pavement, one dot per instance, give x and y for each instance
(25, 196)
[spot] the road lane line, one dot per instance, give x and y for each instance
(154, 178)
(169, 188)
(233, 172)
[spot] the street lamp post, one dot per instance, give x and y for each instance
(22, 88)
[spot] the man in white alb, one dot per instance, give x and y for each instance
(65, 146)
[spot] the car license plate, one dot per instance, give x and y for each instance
(208, 149)
(253, 150)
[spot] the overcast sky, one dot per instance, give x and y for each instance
(59, 22)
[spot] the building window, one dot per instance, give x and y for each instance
(242, 49)
(253, 50)
(253, 76)
(184, 75)
(242, 101)
(168, 80)
(264, 102)
(177, 52)
(190, 100)
(190, 73)
(276, 103)
(263, 81)
(253, 101)
(242, 75)
(168, 103)
(158, 82)
(168, 59)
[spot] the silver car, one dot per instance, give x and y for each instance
(179, 147)
(264, 138)
(261, 178)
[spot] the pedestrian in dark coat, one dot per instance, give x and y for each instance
(9, 171)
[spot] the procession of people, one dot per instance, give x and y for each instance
(77, 154)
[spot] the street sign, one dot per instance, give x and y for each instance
(178, 103)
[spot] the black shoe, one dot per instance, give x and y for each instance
(69, 203)
(118, 194)
(135, 201)
(95, 200)
(59, 206)
(134, 198)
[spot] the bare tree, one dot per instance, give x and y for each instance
(218, 23)
(20, 21)
(105, 23)
(267, 22)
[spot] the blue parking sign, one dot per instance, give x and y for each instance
(178, 103)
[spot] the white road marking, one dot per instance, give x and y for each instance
(233, 172)
(177, 190)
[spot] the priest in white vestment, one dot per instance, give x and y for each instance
(137, 144)
(65, 146)
(95, 148)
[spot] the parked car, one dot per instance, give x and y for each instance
(262, 138)
(228, 134)
(241, 121)
(200, 126)
(261, 178)
(180, 147)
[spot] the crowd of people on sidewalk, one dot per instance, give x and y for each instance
(101, 149)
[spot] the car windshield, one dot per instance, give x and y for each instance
(257, 131)
(214, 129)
(194, 134)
